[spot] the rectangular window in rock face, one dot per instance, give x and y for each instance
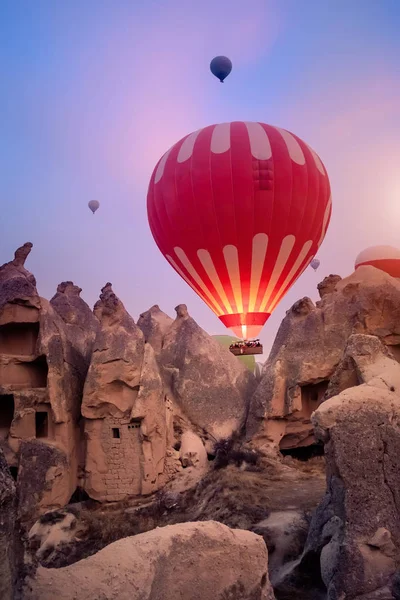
(312, 395)
(6, 414)
(19, 339)
(42, 424)
(115, 433)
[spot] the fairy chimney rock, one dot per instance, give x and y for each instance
(210, 385)
(182, 311)
(113, 378)
(154, 323)
(17, 284)
(328, 285)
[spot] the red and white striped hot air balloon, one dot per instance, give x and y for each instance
(385, 258)
(239, 210)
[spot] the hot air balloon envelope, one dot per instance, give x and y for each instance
(239, 210)
(221, 66)
(315, 263)
(93, 205)
(385, 258)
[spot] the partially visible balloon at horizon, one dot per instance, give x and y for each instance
(384, 258)
(93, 205)
(314, 264)
(221, 66)
(239, 210)
(226, 341)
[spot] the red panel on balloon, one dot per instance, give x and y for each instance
(239, 210)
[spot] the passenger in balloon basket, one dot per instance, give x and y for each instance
(242, 345)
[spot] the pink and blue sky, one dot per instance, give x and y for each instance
(94, 92)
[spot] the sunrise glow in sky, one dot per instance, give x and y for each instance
(94, 92)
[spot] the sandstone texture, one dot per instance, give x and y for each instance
(11, 551)
(196, 561)
(355, 532)
(112, 383)
(192, 451)
(51, 533)
(154, 323)
(124, 408)
(285, 535)
(208, 383)
(40, 379)
(80, 322)
(309, 347)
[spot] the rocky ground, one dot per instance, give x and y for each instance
(271, 498)
(239, 496)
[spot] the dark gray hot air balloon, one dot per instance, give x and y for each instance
(221, 66)
(93, 205)
(314, 264)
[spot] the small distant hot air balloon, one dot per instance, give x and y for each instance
(93, 205)
(239, 210)
(221, 66)
(314, 264)
(385, 258)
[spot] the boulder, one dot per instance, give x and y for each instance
(11, 548)
(44, 479)
(192, 451)
(365, 359)
(285, 534)
(200, 561)
(154, 323)
(112, 382)
(309, 347)
(356, 530)
(208, 383)
(50, 533)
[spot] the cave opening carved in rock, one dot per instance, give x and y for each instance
(299, 431)
(6, 414)
(44, 424)
(19, 339)
(304, 453)
(312, 395)
(14, 472)
(41, 424)
(23, 374)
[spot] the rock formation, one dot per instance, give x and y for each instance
(80, 322)
(124, 409)
(192, 451)
(16, 283)
(112, 382)
(308, 348)
(11, 550)
(200, 561)
(40, 383)
(285, 534)
(154, 323)
(355, 532)
(209, 384)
